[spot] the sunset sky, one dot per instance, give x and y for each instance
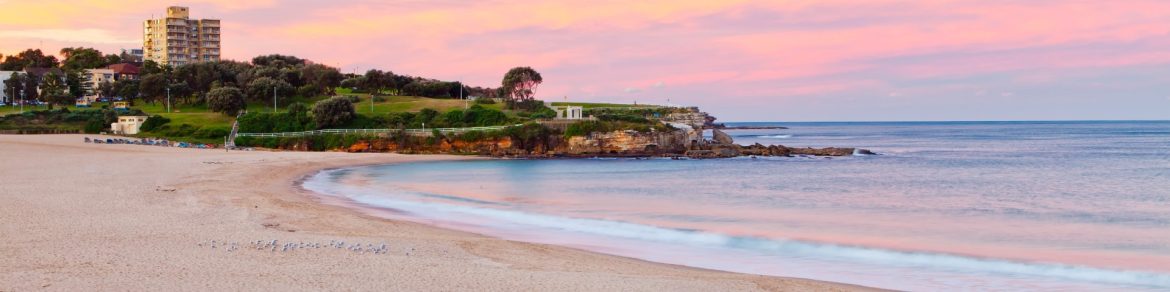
(739, 60)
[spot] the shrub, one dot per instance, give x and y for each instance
(544, 113)
(298, 108)
(425, 116)
(379, 99)
(226, 100)
(333, 112)
(623, 118)
(95, 125)
(485, 101)
(153, 122)
(584, 128)
(308, 90)
(211, 132)
(404, 119)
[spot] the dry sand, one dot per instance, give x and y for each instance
(83, 217)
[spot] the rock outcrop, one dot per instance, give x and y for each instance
(685, 142)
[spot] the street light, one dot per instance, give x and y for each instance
(168, 98)
(22, 100)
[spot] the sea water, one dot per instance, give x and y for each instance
(946, 206)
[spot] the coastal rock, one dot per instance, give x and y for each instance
(625, 143)
(721, 137)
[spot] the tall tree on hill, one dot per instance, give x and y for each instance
(278, 61)
(73, 82)
(114, 59)
(82, 58)
(31, 58)
(54, 90)
(375, 81)
(126, 88)
(153, 87)
(261, 90)
(106, 89)
(321, 78)
(520, 83)
(151, 67)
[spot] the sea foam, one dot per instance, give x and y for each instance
(517, 220)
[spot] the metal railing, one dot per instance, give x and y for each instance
(414, 132)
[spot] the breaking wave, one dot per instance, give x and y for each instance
(780, 136)
(509, 219)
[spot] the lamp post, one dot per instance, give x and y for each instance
(168, 98)
(22, 100)
(274, 99)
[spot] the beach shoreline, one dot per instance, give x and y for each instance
(133, 217)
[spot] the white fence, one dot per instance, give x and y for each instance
(426, 132)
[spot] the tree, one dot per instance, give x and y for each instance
(333, 112)
(321, 78)
(73, 83)
(226, 100)
(260, 89)
(126, 88)
(14, 85)
(521, 82)
(151, 67)
(153, 87)
(376, 80)
(54, 90)
(106, 89)
(276, 60)
(82, 58)
(28, 59)
(114, 59)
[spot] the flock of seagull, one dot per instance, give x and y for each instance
(275, 245)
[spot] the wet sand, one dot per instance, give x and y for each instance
(77, 216)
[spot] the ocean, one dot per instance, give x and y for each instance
(1072, 206)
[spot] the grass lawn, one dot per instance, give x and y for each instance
(593, 105)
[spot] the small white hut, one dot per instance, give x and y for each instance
(128, 125)
(570, 112)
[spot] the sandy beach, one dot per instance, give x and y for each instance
(77, 216)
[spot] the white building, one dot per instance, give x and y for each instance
(569, 112)
(128, 125)
(94, 78)
(5, 95)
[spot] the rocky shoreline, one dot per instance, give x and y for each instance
(683, 138)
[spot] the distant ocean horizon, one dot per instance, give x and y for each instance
(972, 205)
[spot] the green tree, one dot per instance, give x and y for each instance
(106, 89)
(521, 82)
(28, 59)
(320, 78)
(260, 89)
(153, 87)
(14, 85)
(226, 100)
(126, 88)
(333, 112)
(82, 58)
(151, 67)
(375, 81)
(54, 90)
(73, 82)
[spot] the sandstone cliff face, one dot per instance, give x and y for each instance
(679, 143)
(625, 143)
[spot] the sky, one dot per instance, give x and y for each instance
(797, 60)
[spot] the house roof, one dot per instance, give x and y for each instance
(124, 68)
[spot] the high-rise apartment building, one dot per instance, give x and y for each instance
(177, 39)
